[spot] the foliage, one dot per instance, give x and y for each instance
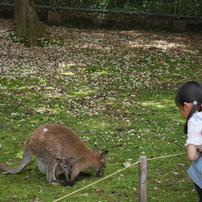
(177, 7)
(43, 42)
(115, 87)
(172, 7)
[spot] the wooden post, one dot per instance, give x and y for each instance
(54, 18)
(179, 25)
(143, 179)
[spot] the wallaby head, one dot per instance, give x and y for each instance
(100, 165)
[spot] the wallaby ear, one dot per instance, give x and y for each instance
(103, 154)
(95, 149)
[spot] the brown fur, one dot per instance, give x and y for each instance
(52, 141)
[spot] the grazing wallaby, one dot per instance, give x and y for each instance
(51, 141)
(64, 166)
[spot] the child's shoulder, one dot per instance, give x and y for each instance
(198, 113)
(197, 116)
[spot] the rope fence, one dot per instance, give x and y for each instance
(142, 177)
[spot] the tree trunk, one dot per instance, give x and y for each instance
(27, 23)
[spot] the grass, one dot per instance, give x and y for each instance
(124, 101)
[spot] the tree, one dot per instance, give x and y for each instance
(27, 23)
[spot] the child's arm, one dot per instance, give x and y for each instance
(192, 152)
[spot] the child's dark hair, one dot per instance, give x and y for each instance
(189, 92)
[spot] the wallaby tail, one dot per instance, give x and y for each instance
(25, 160)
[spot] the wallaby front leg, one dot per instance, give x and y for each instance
(66, 176)
(74, 174)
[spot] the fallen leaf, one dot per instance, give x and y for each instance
(84, 194)
(126, 164)
(146, 130)
(99, 190)
(27, 177)
(36, 200)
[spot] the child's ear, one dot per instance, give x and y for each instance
(188, 105)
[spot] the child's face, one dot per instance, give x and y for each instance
(185, 109)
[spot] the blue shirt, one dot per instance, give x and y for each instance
(195, 172)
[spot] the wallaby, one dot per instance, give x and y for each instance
(50, 142)
(64, 166)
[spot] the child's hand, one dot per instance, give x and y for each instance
(199, 148)
(194, 151)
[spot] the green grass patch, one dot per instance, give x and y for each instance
(122, 98)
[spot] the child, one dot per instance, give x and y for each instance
(189, 101)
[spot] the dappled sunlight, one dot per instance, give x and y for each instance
(153, 104)
(19, 154)
(161, 45)
(82, 93)
(159, 103)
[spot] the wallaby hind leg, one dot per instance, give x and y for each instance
(41, 166)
